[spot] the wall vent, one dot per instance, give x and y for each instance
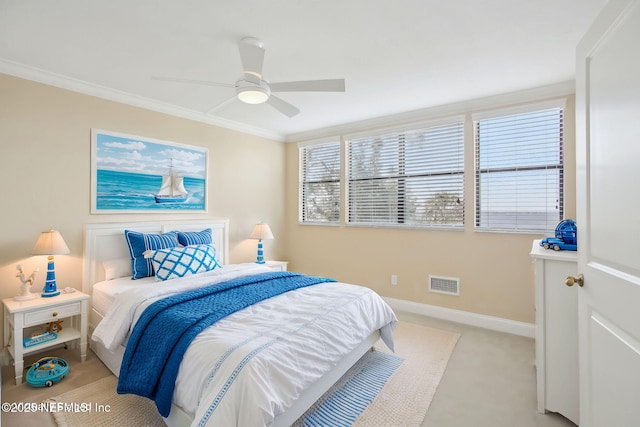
(444, 285)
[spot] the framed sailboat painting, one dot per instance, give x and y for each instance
(133, 174)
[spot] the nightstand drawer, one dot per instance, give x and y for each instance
(37, 317)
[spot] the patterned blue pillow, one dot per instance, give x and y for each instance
(138, 243)
(177, 262)
(187, 238)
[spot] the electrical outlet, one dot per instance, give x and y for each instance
(394, 279)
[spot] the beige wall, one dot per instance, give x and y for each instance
(45, 140)
(495, 270)
(45, 173)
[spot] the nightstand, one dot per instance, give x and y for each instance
(277, 265)
(19, 315)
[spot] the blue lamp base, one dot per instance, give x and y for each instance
(260, 258)
(50, 288)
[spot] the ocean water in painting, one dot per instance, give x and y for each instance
(132, 191)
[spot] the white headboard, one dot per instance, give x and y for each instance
(105, 241)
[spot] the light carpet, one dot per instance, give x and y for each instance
(402, 401)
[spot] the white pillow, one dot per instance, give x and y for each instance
(116, 268)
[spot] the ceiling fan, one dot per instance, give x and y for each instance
(251, 88)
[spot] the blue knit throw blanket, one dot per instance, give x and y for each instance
(166, 328)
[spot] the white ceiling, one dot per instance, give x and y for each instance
(396, 56)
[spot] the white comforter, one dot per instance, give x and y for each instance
(251, 366)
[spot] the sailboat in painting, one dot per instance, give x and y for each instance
(172, 189)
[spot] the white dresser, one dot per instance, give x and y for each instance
(556, 331)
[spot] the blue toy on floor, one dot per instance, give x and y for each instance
(47, 371)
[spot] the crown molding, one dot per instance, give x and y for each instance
(58, 80)
(496, 101)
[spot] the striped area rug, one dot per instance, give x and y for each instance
(353, 393)
(404, 392)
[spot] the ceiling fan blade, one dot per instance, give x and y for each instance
(282, 106)
(333, 85)
(252, 56)
(191, 81)
(221, 105)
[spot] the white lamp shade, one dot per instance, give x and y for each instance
(261, 232)
(50, 242)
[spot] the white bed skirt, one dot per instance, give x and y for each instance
(179, 418)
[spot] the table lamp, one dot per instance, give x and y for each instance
(261, 232)
(50, 243)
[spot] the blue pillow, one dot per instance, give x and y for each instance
(138, 243)
(177, 262)
(186, 238)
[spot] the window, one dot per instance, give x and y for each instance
(410, 178)
(320, 183)
(519, 170)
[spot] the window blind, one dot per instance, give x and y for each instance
(407, 178)
(320, 183)
(519, 171)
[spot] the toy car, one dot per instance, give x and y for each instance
(566, 237)
(47, 371)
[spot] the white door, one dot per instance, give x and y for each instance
(608, 183)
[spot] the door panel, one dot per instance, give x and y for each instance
(614, 164)
(613, 352)
(608, 202)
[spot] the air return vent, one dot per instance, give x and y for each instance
(444, 285)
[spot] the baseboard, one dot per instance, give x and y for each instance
(465, 317)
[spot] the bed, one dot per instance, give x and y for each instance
(265, 364)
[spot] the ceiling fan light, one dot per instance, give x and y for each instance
(253, 95)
